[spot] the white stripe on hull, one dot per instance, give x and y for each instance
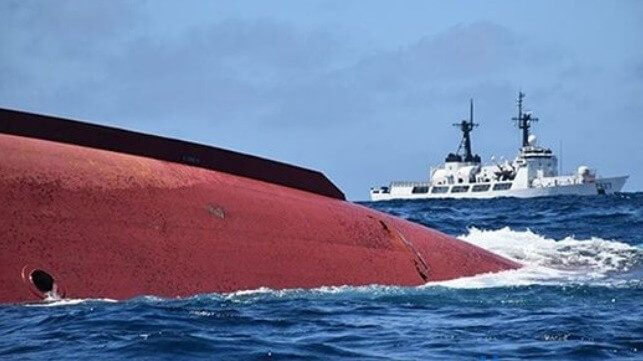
(609, 185)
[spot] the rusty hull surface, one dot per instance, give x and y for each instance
(106, 224)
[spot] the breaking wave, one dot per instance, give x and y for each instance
(549, 261)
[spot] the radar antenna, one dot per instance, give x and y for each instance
(524, 120)
(466, 126)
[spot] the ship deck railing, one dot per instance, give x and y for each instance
(410, 184)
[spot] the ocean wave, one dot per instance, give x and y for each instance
(595, 255)
(547, 261)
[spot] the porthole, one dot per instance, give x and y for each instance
(43, 281)
(43, 284)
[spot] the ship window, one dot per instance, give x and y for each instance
(481, 187)
(459, 189)
(420, 189)
(439, 189)
(501, 186)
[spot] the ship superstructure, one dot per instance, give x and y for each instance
(533, 172)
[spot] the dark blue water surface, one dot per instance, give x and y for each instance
(579, 296)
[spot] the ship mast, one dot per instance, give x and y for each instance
(466, 126)
(524, 120)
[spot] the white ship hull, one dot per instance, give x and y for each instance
(600, 186)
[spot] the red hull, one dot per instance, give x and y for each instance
(112, 225)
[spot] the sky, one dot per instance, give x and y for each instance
(364, 91)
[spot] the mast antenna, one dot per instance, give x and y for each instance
(560, 164)
(466, 126)
(471, 111)
(524, 120)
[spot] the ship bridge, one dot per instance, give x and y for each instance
(532, 150)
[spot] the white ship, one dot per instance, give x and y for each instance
(533, 173)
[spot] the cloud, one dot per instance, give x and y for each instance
(420, 75)
(226, 71)
(104, 60)
(638, 71)
(480, 59)
(92, 59)
(66, 28)
(458, 53)
(54, 51)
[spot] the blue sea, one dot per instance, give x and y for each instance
(579, 297)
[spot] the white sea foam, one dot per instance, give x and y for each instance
(69, 302)
(251, 295)
(548, 261)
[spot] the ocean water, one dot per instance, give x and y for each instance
(579, 297)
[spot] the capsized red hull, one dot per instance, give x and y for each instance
(105, 224)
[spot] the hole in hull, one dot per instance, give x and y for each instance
(43, 281)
